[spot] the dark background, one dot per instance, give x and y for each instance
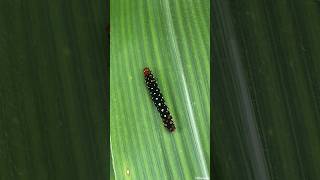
(266, 89)
(53, 90)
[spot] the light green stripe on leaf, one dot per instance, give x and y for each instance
(156, 34)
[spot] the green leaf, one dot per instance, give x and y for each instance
(52, 90)
(266, 101)
(172, 39)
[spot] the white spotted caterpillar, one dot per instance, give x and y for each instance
(158, 100)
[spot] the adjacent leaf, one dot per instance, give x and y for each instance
(266, 91)
(53, 90)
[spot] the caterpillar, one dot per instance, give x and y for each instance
(158, 100)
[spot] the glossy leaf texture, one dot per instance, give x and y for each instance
(267, 88)
(171, 38)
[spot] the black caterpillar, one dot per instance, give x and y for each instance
(158, 99)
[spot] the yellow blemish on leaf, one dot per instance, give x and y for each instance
(127, 172)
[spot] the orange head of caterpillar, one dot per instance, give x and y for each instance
(146, 71)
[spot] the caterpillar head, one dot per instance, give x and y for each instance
(146, 71)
